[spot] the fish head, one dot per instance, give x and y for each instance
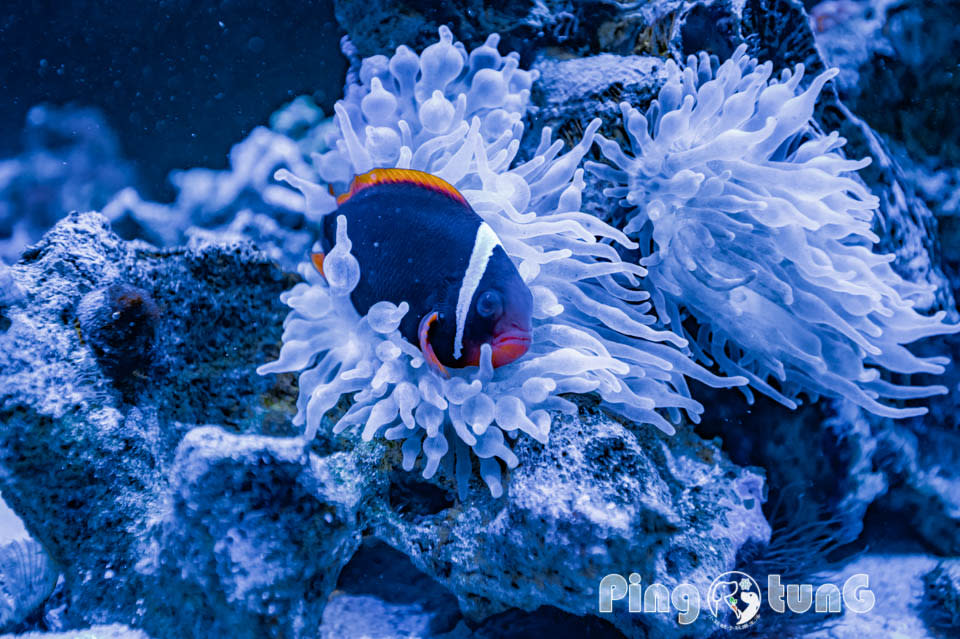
(501, 314)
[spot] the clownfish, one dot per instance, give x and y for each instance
(417, 240)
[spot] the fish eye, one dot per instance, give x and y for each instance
(489, 304)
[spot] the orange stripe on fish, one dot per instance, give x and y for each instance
(426, 347)
(376, 177)
(317, 259)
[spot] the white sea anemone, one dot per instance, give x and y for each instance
(459, 117)
(753, 222)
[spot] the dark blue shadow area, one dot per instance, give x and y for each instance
(180, 81)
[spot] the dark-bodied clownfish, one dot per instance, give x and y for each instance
(418, 240)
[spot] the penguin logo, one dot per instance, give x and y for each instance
(734, 600)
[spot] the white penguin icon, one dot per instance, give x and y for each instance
(752, 600)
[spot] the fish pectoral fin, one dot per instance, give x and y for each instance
(423, 333)
(317, 259)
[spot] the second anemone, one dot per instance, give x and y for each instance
(753, 223)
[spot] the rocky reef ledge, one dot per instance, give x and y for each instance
(174, 498)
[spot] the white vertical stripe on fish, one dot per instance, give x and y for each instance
(483, 247)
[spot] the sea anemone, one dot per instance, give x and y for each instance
(213, 201)
(459, 117)
(753, 222)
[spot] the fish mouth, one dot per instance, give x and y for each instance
(510, 346)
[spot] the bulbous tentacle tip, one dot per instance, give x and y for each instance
(670, 430)
(712, 233)
(952, 328)
(593, 167)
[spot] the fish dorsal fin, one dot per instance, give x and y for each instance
(376, 177)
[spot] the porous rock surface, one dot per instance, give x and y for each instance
(111, 631)
(598, 499)
(185, 529)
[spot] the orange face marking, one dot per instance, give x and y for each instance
(423, 333)
(400, 176)
(317, 259)
(509, 348)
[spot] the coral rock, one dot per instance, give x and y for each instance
(598, 499)
(258, 526)
(942, 600)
